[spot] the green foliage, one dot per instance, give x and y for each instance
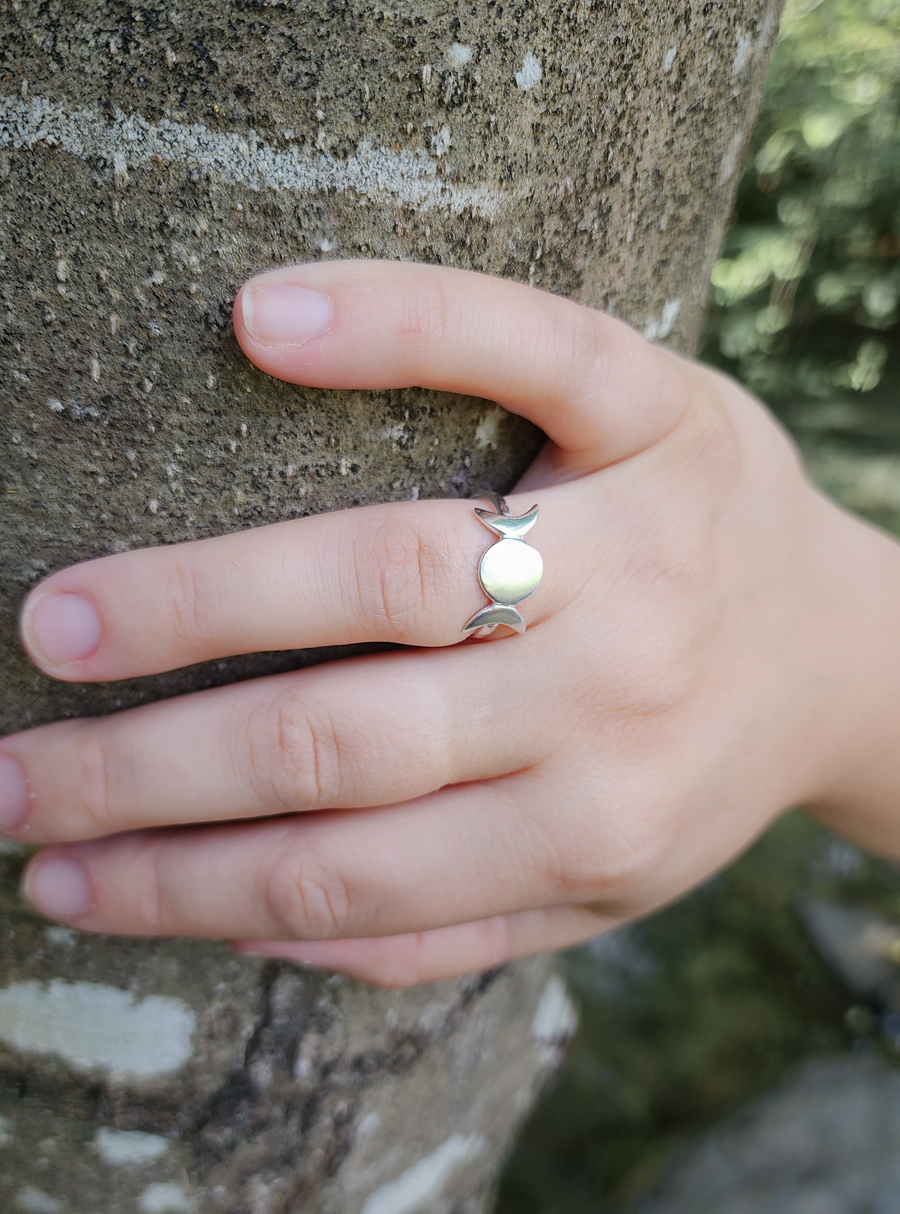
(806, 297)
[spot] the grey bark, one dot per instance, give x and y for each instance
(151, 157)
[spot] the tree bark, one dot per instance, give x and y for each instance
(152, 156)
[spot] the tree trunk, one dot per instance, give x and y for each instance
(151, 157)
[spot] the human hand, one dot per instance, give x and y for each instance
(686, 673)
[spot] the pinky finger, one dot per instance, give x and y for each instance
(444, 952)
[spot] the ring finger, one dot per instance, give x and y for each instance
(457, 854)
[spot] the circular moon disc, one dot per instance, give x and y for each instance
(510, 571)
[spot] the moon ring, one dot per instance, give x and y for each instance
(508, 572)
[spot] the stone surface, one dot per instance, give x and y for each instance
(827, 1142)
(153, 155)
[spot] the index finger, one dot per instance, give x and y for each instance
(595, 386)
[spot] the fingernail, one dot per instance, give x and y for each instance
(279, 314)
(58, 887)
(62, 628)
(13, 794)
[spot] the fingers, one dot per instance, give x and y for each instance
(591, 383)
(396, 573)
(461, 853)
(403, 573)
(444, 952)
(368, 731)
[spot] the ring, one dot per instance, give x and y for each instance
(509, 571)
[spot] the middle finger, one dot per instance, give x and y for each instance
(362, 732)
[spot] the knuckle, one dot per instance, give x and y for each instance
(553, 864)
(431, 315)
(400, 572)
(634, 857)
(649, 674)
(95, 780)
(715, 449)
(306, 896)
(614, 841)
(659, 687)
(586, 347)
(185, 602)
(624, 859)
(677, 551)
(295, 754)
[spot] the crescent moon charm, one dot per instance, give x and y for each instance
(509, 571)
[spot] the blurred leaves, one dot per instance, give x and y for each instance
(806, 296)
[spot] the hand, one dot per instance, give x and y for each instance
(692, 664)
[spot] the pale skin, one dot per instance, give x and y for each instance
(713, 643)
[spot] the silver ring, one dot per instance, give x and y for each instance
(509, 571)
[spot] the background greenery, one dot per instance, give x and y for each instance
(692, 1012)
(805, 296)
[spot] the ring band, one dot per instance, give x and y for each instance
(509, 571)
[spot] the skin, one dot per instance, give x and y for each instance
(713, 642)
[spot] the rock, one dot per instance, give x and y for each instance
(826, 1142)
